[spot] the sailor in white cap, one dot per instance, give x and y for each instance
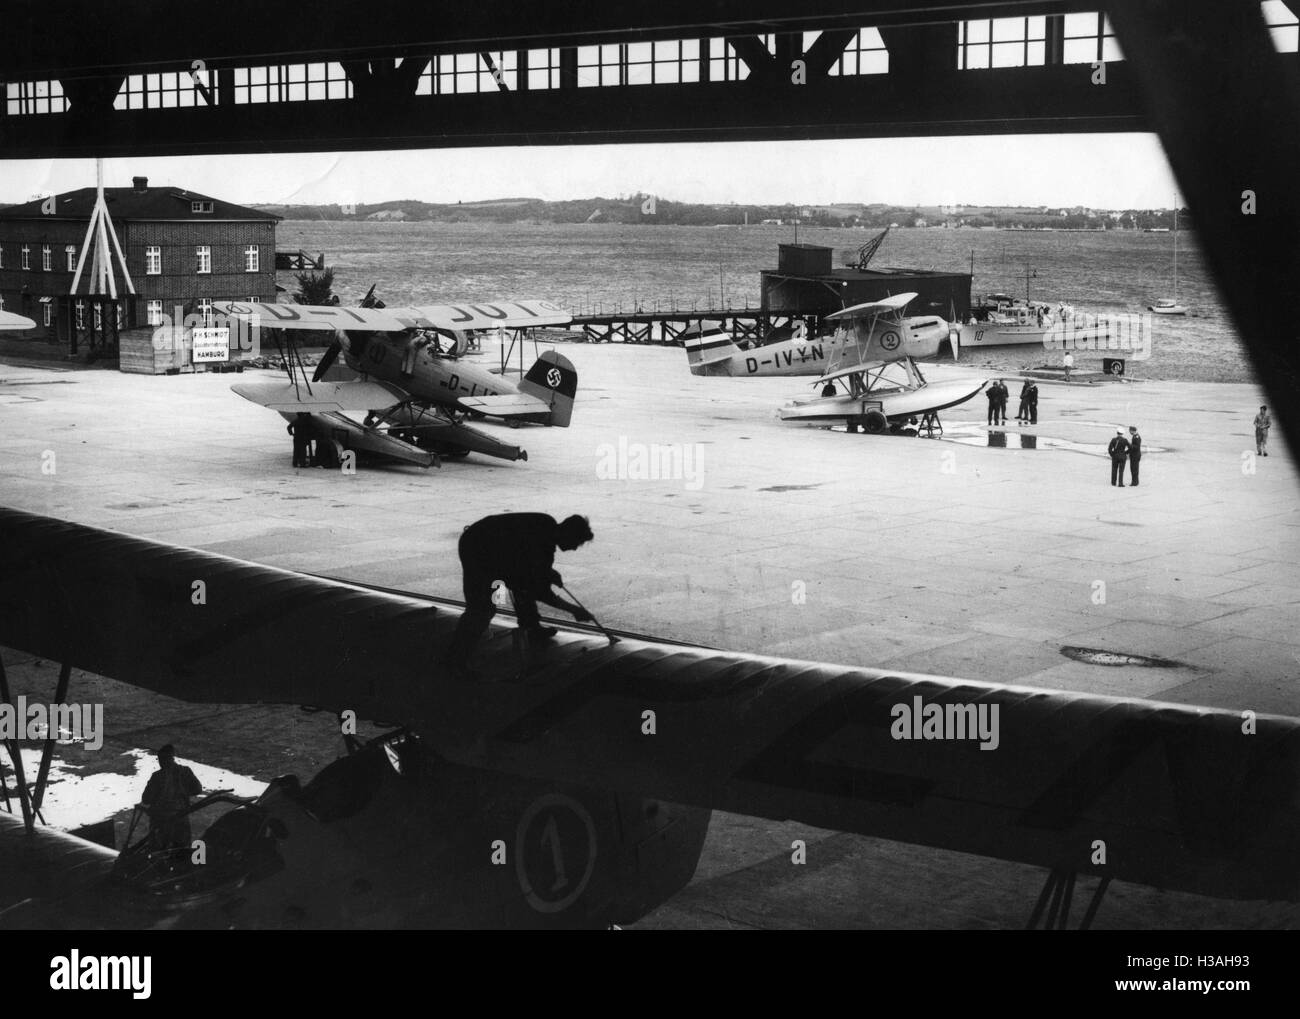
(1118, 450)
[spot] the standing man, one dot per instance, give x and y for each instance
(1068, 362)
(1118, 450)
(1022, 412)
(992, 393)
(519, 549)
(1032, 393)
(166, 800)
(1134, 454)
(1262, 424)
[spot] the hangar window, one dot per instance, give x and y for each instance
(153, 260)
(23, 97)
(165, 90)
(1283, 25)
(70, 253)
(469, 73)
(1001, 42)
(1089, 38)
(543, 69)
(291, 83)
(725, 64)
(865, 54)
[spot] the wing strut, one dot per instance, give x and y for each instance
(30, 799)
(1060, 887)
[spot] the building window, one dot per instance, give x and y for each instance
(27, 257)
(153, 260)
(203, 254)
(254, 300)
(154, 311)
(1089, 38)
(1002, 42)
(290, 83)
(205, 310)
(204, 206)
(99, 316)
(45, 313)
(80, 311)
(252, 258)
(47, 258)
(70, 251)
(24, 97)
(2, 257)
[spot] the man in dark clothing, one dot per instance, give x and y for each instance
(1022, 412)
(1134, 454)
(1032, 396)
(519, 549)
(166, 800)
(992, 393)
(1004, 395)
(1118, 450)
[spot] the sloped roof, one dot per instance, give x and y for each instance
(135, 204)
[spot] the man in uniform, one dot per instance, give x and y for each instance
(1262, 424)
(1032, 396)
(1134, 454)
(519, 549)
(166, 800)
(1118, 450)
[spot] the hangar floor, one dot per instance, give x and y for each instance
(949, 557)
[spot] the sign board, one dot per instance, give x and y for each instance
(211, 345)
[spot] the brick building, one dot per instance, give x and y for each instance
(183, 250)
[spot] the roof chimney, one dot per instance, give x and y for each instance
(140, 183)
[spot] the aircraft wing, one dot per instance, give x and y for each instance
(322, 397)
(312, 316)
(8, 320)
(453, 317)
(1177, 795)
(507, 314)
(894, 304)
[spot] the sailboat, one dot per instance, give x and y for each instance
(1167, 305)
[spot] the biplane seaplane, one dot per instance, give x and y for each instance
(8, 320)
(537, 800)
(416, 389)
(713, 351)
(862, 386)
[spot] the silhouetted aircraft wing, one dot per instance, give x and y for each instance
(1189, 798)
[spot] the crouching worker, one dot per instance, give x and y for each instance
(518, 549)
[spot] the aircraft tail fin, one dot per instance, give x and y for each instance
(553, 380)
(707, 352)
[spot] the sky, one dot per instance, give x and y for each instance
(1107, 171)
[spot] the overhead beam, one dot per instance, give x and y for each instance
(1003, 101)
(155, 34)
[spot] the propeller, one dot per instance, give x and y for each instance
(328, 358)
(370, 300)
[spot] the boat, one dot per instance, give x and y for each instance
(1170, 305)
(1002, 321)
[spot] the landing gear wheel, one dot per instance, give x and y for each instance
(874, 422)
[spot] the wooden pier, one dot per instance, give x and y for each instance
(667, 327)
